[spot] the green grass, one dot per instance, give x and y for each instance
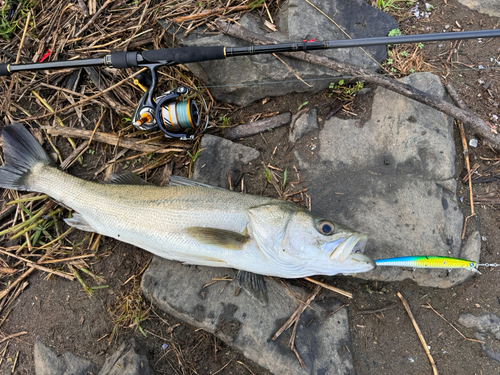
(7, 27)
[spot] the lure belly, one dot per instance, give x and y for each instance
(429, 262)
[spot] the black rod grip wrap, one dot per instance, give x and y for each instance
(3, 70)
(184, 55)
(125, 59)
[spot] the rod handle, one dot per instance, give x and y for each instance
(184, 55)
(3, 70)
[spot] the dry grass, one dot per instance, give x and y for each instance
(405, 59)
(32, 233)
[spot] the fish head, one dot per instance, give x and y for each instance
(299, 237)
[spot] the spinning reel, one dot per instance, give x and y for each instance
(177, 115)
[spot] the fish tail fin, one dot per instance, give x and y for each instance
(22, 153)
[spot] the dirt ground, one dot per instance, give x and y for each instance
(62, 315)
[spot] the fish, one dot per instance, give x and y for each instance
(191, 222)
(423, 261)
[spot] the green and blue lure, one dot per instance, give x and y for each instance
(429, 262)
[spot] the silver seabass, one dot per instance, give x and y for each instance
(193, 224)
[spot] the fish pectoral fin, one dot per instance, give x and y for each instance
(226, 239)
(127, 178)
(254, 285)
(79, 222)
(184, 181)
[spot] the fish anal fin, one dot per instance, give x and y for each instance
(254, 285)
(127, 178)
(226, 239)
(79, 222)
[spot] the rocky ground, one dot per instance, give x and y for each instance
(382, 164)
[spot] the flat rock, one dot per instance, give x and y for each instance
(306, 123)
(490, 7)
(218, 157)
(239, 320)
(242, 80)
(48, 362)
(393, 178)
(483, 323)
(322, 343)
(488, 330)
(129, 359)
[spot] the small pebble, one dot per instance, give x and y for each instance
(410, 359)
(473, 142)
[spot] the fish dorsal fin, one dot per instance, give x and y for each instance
(127, 178)
(226, 239)
(254, 285)
(184, 181)
(79, 222)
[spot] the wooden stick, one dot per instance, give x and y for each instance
(6, 291)
(329, 287)
(477, 125)
(13, 336)
(130, 143)
(24, 35)
(247, 130)
(419, 333)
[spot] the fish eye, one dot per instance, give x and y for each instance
(325, 227)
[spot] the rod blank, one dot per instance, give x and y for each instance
(173, 56)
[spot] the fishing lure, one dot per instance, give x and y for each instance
(429, 262)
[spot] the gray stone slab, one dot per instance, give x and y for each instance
(488, 327)
(306, 123)
(242, 80)
(220, 156)
(490, 7)
(393, 179)
(129, 359)
(48, 362)
(323, 343)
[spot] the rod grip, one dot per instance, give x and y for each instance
(184, 55)
(3, 70)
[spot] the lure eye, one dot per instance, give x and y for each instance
(325, 227)
(471, 264)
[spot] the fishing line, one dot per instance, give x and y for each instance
(332, 78)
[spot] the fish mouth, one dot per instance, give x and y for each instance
(341, 249)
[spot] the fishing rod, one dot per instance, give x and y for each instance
(180, 118)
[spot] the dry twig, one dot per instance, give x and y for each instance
(419, 333)
(477, 125)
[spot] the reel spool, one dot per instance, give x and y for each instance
(177, 116)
